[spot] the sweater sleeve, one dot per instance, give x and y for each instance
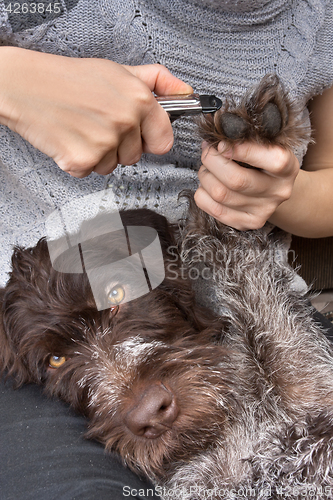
(319, 75)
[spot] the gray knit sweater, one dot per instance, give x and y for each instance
(218, 46)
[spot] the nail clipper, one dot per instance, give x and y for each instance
(189, 104)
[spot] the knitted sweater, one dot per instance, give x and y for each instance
(218, 46)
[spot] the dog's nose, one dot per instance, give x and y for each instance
(154, 414)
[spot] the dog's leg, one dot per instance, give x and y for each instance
(267, 317)
(289, 362)
(277, 324)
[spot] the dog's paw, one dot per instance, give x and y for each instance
(265, 115)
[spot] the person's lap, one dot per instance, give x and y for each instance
(43, 453)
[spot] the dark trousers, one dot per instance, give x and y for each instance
(44, 456)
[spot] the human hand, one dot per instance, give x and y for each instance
(240, 197)
(86, 114)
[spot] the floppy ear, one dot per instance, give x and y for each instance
(18, 312)
(5, 355)
(10, 364)
(146, 217)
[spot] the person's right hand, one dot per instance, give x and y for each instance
(86, 114)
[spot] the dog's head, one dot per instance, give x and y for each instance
(43, 309)
(144, 370)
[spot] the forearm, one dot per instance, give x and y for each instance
(11, 83)
(309, 210)
(86, 113)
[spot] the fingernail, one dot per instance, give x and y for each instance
(204, 145)
(224, 149)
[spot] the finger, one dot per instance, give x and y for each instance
(156, 131)
(79, 164)
(130, 148)
(239, 179)
(220, 193)
(159, 79)
(128, 153)
(107, 164)
(274, 160)
(237, 219)
(79, 174)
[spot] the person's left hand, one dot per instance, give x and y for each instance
(245, 198)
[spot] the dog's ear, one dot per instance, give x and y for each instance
(5, 352)
(10, 364)
(146, 217)
(18, 309)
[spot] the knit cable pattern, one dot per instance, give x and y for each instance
(208, 43)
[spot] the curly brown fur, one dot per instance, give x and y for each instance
(281, 439)
(227, 404)
(266, 115)
(240, 400)
(114, 356)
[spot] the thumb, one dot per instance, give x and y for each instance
(159, 79)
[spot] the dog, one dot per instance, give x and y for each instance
(231, 403)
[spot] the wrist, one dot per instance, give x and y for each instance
(13, 83)
(289, 215)
(308, 211)
(8, 79)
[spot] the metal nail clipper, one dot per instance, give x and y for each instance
(189, 105)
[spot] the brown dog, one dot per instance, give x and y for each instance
(209, 403)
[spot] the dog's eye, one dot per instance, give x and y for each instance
(56, 361)
(116, 295)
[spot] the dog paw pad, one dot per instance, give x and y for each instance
(271, 120)
(233, 126)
